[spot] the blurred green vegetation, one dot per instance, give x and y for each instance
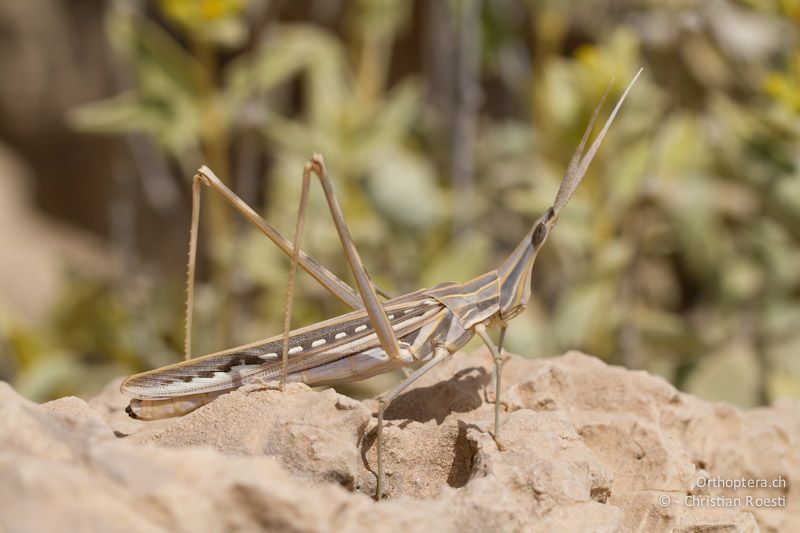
(678, 254)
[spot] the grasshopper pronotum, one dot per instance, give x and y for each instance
(423, 327)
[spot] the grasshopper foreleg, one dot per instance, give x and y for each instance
(499, 360)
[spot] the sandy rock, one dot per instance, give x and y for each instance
(586, 447)
(647, 511)
(51, 432)
(314, 435)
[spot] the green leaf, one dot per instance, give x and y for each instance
(729, 375)
(292, 50)
(584, 311)
(402, 185)
(461, 260)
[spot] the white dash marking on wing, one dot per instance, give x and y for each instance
(391, 317)
(296, 349)
(318, 342)
(340, 335)
(196, 380)
(266, 356)
(362, 327)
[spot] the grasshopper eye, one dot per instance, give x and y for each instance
(539, 234)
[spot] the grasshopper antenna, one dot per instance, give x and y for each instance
(580, 161)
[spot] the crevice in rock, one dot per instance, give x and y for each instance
(600, 494)
(463, 457)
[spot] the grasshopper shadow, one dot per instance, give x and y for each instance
(459, 394)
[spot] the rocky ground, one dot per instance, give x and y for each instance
(588, 447)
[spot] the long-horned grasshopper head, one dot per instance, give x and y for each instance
(516, 271)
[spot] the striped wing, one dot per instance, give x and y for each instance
(309, 347)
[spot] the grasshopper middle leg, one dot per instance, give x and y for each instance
(439, 355)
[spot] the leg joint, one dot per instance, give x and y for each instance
(202, 178)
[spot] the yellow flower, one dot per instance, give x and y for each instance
(194, 13)
(784, 86)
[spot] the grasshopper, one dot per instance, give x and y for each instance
(420, 328)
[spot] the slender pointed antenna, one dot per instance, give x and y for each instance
(569, 182)
(580, 162)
